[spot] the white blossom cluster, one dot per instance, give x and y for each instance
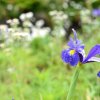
(12, 30)
(59, 18)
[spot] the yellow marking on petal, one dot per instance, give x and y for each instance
(71, 52)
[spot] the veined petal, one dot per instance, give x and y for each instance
(65, 56)
(93, 52)
(70, 59)
(94, 59)
(74, 59)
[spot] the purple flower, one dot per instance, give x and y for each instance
(98, 74)
(75, 53)
(96, 12)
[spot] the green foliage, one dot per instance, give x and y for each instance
(37, 72)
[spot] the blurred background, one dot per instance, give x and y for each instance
(33, 34)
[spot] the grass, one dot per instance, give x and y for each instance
(38, 73)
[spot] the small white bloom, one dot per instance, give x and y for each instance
(44, 32)
(29, 15)
(40, 32)
(62, 32)
(53, 13)
(64, 16)
(15, 21)
(40, 23)
(27, 23)
(3, 31)
(22, 17)
(3, 27)
(86, 16)
(9, 21)
(11, 30)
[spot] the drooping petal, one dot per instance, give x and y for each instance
(70, 59)
(65, 56)
(93, 52)
(74, 59)
(94, 59)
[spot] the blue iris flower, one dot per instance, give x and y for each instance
(75, 53)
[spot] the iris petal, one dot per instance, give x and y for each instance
(81, 54)
(94, 59)
(71, 43)
(75, 43)
(71, 59)
(93, 52)
(74, 59)
(65, 56)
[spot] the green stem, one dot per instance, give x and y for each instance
(73, 83)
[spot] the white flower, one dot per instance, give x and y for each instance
(3, 31)
(44, 32)
(62, 32)
(3, 27)
(29, 15)
(58, 16)
(64, 16)
(86, 16)
(11, 30)
(23, 34)
(22, 17)
(27, 23)
(40, 23)
(15, 21)
(52, 13)
(9, 21)
(40, 32)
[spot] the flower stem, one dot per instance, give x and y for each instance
(73, 83)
